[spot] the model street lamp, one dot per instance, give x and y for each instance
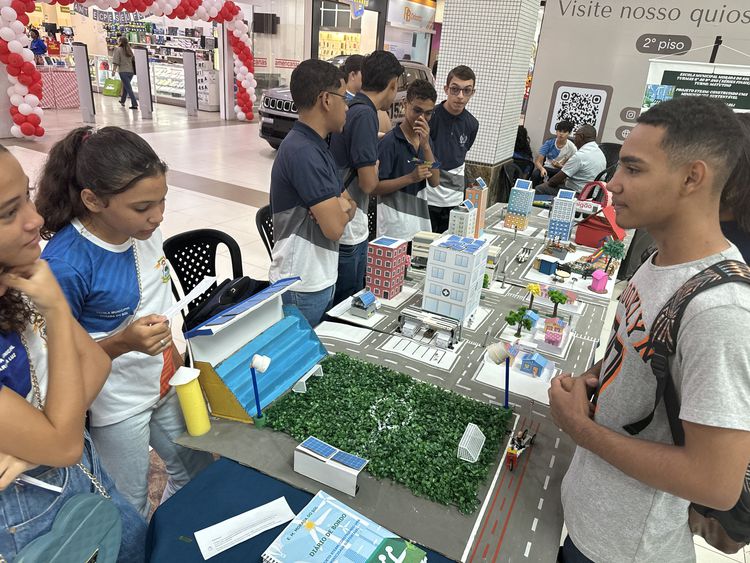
(497, 353)
(260, 363)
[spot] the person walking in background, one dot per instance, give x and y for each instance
(37, 46)
(123, 62)
(453, 130)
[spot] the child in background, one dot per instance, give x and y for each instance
(50, 373)
(102, 196)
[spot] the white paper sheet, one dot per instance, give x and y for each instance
(197, 291)
(220, 537)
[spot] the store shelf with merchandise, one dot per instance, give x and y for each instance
(165, 54)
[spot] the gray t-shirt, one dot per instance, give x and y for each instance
(610, 516)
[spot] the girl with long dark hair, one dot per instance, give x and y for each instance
(102, 196)
(123, 61)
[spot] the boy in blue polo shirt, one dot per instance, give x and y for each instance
(310, 208)
(406, 165)
(453, 130)
(356, 153)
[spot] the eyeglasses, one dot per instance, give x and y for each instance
(419, 111)
(342, 96)
(468, 92)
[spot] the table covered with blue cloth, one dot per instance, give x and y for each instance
(223, 490)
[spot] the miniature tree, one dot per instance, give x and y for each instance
(613, 250)
(486, 281)
(535, 290)
(518, 317)
(558, 298)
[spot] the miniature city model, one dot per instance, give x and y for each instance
(420, 248)
(561, 216)
(477, 194)
(386, 266)
(519, 205)
(455, 272)
(463, 219)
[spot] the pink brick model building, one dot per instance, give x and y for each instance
(599, 281)
(386, 266)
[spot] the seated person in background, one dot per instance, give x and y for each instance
(353, 71)
(553, 153)
(309, 205)
(583, 167)
(51, 373)
(402, 205)
(522, 154)
(734, 212)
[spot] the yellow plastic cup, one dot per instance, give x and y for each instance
(193, 405)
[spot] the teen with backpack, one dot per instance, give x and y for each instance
(627, 491)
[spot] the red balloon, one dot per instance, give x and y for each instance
(4, 59)
(4, 47)
(18, 6)
(28, 67)
(39, 131)
(13, 110)
(12, 70)
(36, 89)
(34, 119)
(24, 79)
(19, 119)
(23, 18)
(28, 129)
(30, 5)
(14, 59)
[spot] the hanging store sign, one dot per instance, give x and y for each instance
(418, 15)
(115, 17)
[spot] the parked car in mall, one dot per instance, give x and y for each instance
(278, 113)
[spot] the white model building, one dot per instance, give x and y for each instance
(519, 205)
(463, 220)
(561, 218)
(454, 276)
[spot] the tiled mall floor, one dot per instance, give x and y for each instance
(219, 177)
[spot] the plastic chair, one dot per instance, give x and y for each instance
(264, 224)
(192, 255)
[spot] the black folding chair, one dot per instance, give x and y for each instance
(264, 223)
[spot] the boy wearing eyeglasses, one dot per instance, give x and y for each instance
(407, 164)
(309, 205)
(453, 130)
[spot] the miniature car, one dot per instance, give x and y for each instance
(517, 445)
(523, 255)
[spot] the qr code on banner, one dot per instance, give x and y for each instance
(580, 103)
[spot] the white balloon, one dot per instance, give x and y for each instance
(27, 55)
(17, 27)
(16, 100)
(7, 34)
(4, 3)
(213, 11)
(25, 109)
(25, 41)
(241, 116)
(253, 97)
(15, 46)
(237, 109)
(16, 131)
(20, 89)
(249, 75)
(245, 84)
(244, 70)
(38, 111)
(12, 79)
(237, 33)
(201, 13)
(8, 14)
(32, 100)
(253, 83)
(11, 90)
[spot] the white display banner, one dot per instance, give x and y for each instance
(416, 15)
(594, 57)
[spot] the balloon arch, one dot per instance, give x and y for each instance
(25, 89)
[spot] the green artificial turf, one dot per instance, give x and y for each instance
(409, 430)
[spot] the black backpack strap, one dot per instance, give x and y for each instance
(662, 341)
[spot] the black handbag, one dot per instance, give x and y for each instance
(226, 294)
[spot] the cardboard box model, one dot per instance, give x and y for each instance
(224, 345)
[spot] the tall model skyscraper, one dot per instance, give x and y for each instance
(519, 205)
(477, 195)
(455, 272)
(561, 217)
(463, 219)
